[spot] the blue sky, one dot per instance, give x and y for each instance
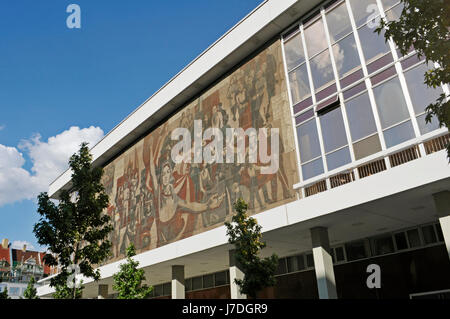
(59, 86)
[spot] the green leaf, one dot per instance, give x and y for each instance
(128, 280)
(245, 234)
(76, 229)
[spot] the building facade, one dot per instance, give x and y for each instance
(17, 266)
(360, 178)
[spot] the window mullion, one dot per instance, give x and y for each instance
(291, 108)
(311, 85)
(367, 80)
(338, 86)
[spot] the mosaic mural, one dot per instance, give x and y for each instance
(154, 201)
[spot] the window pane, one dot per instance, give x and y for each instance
(400, 240)
(355, 250)
(333, 130)
(312, 169)
(315, 37)
(293, 49)
(321, 70)
(338, 22)
(300, 262)
(299, 84)
(399, 134)
(360, 117)
(167, 289)
(395, 13)
(309, 260)
(292, 263)
(363, 10)
(388, 3)
(373, 45)
(338, 158)
(383, 245)
(304, 116)
(282, 269)
(391, 103)
(346, 56)
(197, 283)
(188, 284)
(413, 238)
(366, 147)
(208, 281)
(220, 278)
(158, 289)
(429, 236)
(308, 140)
(427, 127)
(421, 95)
(339, 254)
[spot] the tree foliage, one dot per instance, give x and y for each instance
(31, 291)
(76, 229)
(63, 291)
(425, 26)
(4, 294)
(128, 281)
(245, 234)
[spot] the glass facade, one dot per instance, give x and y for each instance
(352, 94)
(388, 243)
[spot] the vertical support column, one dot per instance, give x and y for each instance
(102, 291)
(235, 273)
(323, 263)
(442, 203)
(178, 288)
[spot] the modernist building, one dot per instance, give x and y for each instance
(361, 179)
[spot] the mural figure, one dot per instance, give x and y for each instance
(175, 214)
(154, 201)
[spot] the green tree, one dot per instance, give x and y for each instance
(31, 291)
(128, 281)
(76, 229)
(4, 294)
(245, 234)
(425, 25)
(63, 291)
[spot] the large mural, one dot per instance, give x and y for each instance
(155, 201)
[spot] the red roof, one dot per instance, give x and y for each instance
(4, 254)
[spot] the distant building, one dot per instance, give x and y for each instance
(5, 263)
(17, 266)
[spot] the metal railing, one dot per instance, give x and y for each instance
(404, 156)
(436, 144)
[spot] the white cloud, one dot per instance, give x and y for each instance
(49, 160)
(2, 127)
(18, 244)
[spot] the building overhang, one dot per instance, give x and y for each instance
(265, 22)
(380, 203)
